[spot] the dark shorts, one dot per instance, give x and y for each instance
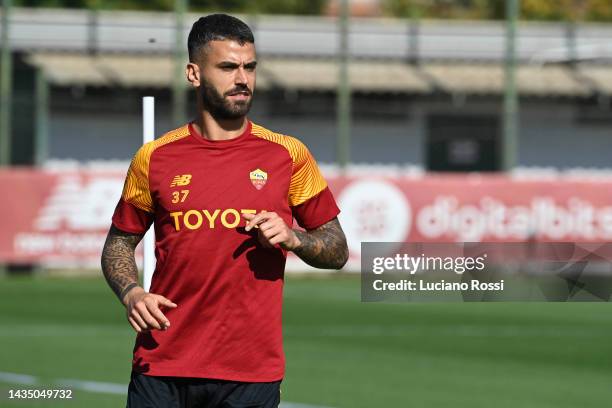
(176, 392)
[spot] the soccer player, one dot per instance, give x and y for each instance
(222, 193)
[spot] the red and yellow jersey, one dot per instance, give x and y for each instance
(228, 288)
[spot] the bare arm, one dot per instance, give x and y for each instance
(323, 247)
(121, 273)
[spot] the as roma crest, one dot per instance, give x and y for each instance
(258, 178)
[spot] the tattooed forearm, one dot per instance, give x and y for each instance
(323, 247)
(118, 262)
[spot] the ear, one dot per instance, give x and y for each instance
(192, 72)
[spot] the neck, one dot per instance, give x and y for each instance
(215, 129)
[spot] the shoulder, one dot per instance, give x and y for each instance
(297, 150)
(142, 158)
(139, 167)
(146, 150)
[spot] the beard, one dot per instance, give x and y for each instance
(219, 106)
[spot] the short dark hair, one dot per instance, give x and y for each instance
(217, 27)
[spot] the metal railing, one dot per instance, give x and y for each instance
(148, 32)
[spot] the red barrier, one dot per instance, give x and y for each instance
(57, 218)
(62, 217)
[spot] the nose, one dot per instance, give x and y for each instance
(241, 77)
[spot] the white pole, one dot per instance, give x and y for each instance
(148, 135)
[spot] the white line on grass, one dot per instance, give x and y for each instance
(17, 330)
(18, 378)
(93, 386)
(385, 331)
(101, 387)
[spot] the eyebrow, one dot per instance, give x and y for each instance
(230, 64)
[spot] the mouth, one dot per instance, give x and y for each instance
(239, 94)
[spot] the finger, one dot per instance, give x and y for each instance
(273, 232)
(277, 239)
(283, 237)
(264, 241)
(250, 215)
(134, 324)
(266, 225)
(259, 218)
(146, 316)
(159, 316)
(139, 321)
(166, 302)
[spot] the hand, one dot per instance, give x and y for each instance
(272, 230)
(143, 310)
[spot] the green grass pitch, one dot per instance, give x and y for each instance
(340, 352)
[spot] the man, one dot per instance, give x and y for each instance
(222, 193)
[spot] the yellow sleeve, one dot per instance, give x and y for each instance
(136, 188)
(306, 179)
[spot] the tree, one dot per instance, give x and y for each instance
(554, 10)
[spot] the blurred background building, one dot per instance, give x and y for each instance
(427, 93)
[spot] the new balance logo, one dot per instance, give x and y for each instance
(181, 180)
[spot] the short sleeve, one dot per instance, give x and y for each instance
(134, 211)
(311, 201)
(317, 210)
(132, 219)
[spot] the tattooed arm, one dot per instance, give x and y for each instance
(121, 273)
(323, 247)
(118, 261)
